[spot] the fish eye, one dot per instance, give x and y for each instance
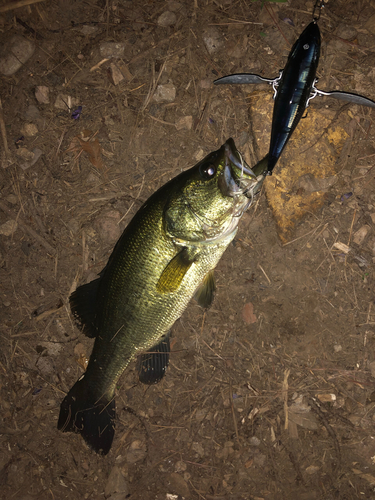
(207, 171)
(306, 46)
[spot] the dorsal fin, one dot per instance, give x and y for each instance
(83, 306)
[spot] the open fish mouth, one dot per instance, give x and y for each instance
(239, 180)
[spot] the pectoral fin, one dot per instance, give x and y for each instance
(349, 97)
(172, 276)
(243, 78)
(152, 364)
(206, 291)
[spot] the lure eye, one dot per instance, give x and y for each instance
(207, 171)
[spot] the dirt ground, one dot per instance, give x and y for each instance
(270, 393)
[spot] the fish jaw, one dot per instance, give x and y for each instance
(294, 90)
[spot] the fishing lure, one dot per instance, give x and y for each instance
(293, 90)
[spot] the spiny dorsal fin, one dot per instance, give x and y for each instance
(83, 305)
(206, 292)
(172, 276)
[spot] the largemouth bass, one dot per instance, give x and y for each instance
(293, 90)
(164, 257)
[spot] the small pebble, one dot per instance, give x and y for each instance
(167, 19)
(42, 94)
(184, 123)
(213, 39)
(29, 129)
(165, 93)
(360, 235)
(8, 228)
(112, 49)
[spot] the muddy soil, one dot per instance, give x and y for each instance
(270, 393)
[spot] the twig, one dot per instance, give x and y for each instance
(17, 5)
(264, 272)
(284, 392)
(3, 131)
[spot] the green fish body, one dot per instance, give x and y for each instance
(164, 257)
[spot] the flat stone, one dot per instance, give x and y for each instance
(14, 54)
(112, 49)
(42, 94)
(8, 228)
(213, 39)
(167, 19)
(165, 93)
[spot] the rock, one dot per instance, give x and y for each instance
(116, 74)
(198, 448)
(31, 157)
(337, 348)
(12, 199)
(372, 368)
(213, 39)
(184, 123)
(370, 24)
(199, 155)
(346, 31)
(25, 154)
(8, 228)
(312, 469)
(29, 129)
(165, 93)
(254, 441)
(16, 52)
(167, 19)
(180, 466)
(136, 452)
(32, 113)
(42, 94)
(125, 71)
(178, 485)
(88, 30)
(360, 235)
(112, 49)
(116, 487)
(65, 102)
(107, 226)
(206, 83)
(311, 184)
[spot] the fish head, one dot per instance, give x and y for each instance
(211, 197)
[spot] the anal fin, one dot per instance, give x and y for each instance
(153, 364)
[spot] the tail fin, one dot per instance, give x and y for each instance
(81, 412)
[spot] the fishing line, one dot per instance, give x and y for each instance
(318, 7)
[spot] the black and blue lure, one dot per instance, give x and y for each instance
(294, 88)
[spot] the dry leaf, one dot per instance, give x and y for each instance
(90, 145)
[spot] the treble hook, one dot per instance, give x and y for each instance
(319, 5)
